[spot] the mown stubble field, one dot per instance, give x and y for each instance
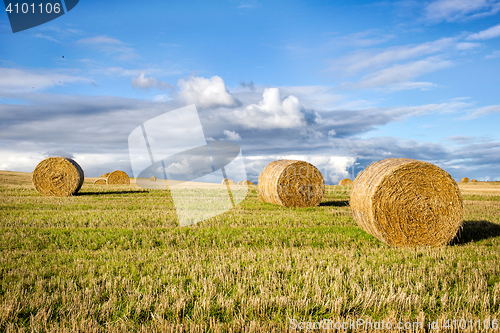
(112, 258)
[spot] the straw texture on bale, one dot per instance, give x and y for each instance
(100, 182)
(105, 175)
(464, 180)
(345, 182)
(405, 202)
(474, 181)
(247, 182)
(227, 181)
(57, 176)
(240, 182)
(118, 178)
(152, 178)
(291, 183)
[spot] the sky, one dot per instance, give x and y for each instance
(339, 84)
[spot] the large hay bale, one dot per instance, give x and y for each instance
(118, 177)
(474, 181)
(100, 182)
(345, 182)
(105, 175)
(227, 181)
(247, 182)
(406, 202)
(291, 183)
(240, 182)
(57, 176)
(464, 180)
(152, 178)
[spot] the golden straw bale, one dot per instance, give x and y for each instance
(105, 175)
(118, 178)
(405, 202)
(464, 180)
(291, 183)
(345, 182)
(240, 182)
(57, 176)
(152, 178)
(247, 182)
(474, 181)
(227, 181)
(100, 182)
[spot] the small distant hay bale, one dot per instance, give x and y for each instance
(405, 202)
(474, 181)
(240, 182)
(57, 176)
(152, 178)
(247, 182)
(345, 182)
(464, 180)
(100, 182)
(227, 181)
(291, 183)
(118, 177)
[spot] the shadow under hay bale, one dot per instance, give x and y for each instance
(345, 182)
(58, 176)
(337, 203)
(118, 177)
(100, 182)
(405, 202)
(291, 183)
(474, 231)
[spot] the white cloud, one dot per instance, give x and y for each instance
(454, 10)
(494, 55)
(272, 112)
(147, 82)
(467, 46)
(232, 135)
(492, 32)
(206, 93)
(361, 61)
(15, 80)
(484, 111)
(109, 45)
(402, 73)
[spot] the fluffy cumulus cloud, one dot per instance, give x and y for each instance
(273, 112)
(232, 135)
(206, 93)
(147, 82)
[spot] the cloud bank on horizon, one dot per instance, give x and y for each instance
(402, 79)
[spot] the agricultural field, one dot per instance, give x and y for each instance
(112, 258)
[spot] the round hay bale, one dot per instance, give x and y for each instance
(247, 182)
(227, 181)
(474, 181)
(100, 182)
(240, 182)
(118, 178)
(291, 183)
(405, 202)
(57, 176)
(464, 180)
(105, 175)
(152, 178)
(345, 182)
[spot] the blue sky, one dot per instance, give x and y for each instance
(339, 84)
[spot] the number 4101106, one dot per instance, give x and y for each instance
(25, 8)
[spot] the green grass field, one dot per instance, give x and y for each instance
(112, 258)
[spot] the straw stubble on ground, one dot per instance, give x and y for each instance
(112, 259)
